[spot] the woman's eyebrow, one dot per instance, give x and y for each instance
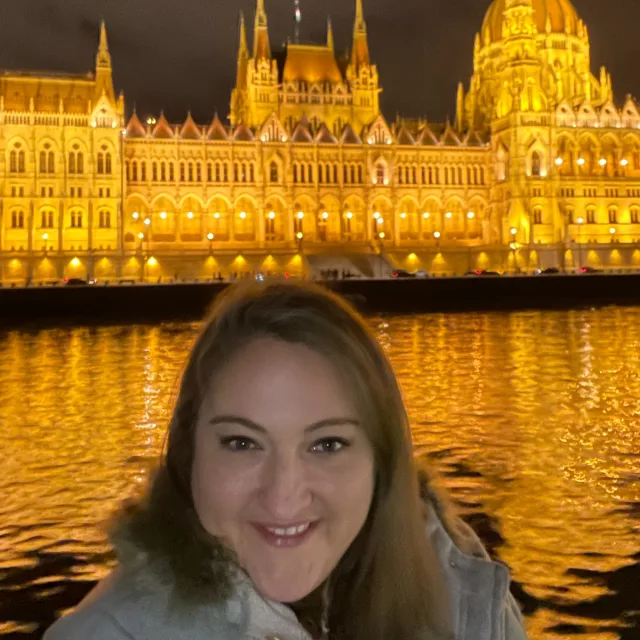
(254, 426)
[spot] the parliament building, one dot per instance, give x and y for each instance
(540, 167)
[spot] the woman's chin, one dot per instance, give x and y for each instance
(285, 591)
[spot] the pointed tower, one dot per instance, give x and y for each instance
(261, 46)
(104, 77)
(460, 116)
(360, 52)
(239, 95)
(330, 40)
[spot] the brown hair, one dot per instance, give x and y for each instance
(387, 585)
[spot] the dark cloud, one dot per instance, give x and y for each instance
(180, 54)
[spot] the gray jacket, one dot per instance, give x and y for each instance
(119, 609)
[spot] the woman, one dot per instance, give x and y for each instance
(287, 504)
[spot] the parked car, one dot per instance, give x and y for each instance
(589, 270)
(550, 271)
(77, 282)
(482, 272)
(400, 273)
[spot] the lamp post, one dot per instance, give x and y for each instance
(514, 248)
(299, 238)
(381, 237)
(210, 238)
(580, 222)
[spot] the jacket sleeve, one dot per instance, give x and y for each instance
(514, 623)
(85, 625)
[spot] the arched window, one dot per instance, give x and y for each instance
(107, 163)
(381, 174)
(353, 174)
(273, 173)
(236, 172)
(225, 172)
(536, 164)
(163, 171)
(76, 219)
(47, 160)
(430, 175)
(17, 220)
(172, 172)
(72, 162)
(460, 180)
(105, 220)
(100, 167)
(209, 172)
(482, 176)
(190, 170)
(537, 215)
(446, 175)
(154, 171)
(335, 174)
(143, 171)
(183, 175)
(218, 173)
(360, 174)
(613, 215)
(295, 173)
(46, 220)
(198, 172)
(252, 173)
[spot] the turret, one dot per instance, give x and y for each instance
(261, 46)
(360, 51)
(104, 77)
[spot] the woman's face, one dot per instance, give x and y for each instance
(283, 471)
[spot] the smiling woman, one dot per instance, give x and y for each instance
(287, 504)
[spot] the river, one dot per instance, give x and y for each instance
(531, 418)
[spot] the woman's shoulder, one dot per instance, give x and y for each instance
(137, 605)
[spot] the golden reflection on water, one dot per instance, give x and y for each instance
(532, 419)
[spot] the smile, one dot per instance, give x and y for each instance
(291, 536)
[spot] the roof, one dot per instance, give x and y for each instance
(561, 14)
(311, 63)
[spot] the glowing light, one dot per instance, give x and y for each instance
(436, 235)
(376, 215)
(272, 215)
(581, 161)
(381, 235)
(624, 162)
(75, 262)
(612, 230)
(190, 215)
(135, 215)
(163, 215)
(426, 215)
(114, 124)
(349, 215)
(216, 215)
(210, 236)
(299, 235)
(45, 236)
(514, 231)
(325, 215)
(243, 215)
(471, 215)
(147, 221)
(403, 215)
(543, 173)
(580, 220)
(388, 140)
(559, 162)
(152, 262)
(141, 236)
(300, 215)
(151, 120)
(448, 214)
(602, 162)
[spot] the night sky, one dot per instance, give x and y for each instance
(180, 54)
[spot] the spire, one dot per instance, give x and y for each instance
(330, 41)
(104, 80)
(261, 47)
(297, 19)
(360, 53)
(460, 108)
(243, 55)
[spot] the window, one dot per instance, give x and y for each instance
(76, 219)
(143, 171)
(17, 220)
(76, 160)
(218, 176)
(17, 159)
(381, 174)
(183, 173)
(537, 216)
(190, 171)
(134, 171)
(198, 172)
(107, 163)
(100, 167)
(163, 172)
(154, 171)
(105, 219)
(47, 220)
(273, 172)
(172, 175)
(591, 216)
(613, 216)
(634, 215)
(252, 173)
(295, 173)
(79, 192)
(536, 164)
(209, 172)
(47, 160)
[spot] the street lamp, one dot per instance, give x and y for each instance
(142, 256)
(580, 222)
(210, 238)
(300, 238)
(514, 248)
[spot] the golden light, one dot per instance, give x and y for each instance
(299, 235)
(243, 214)
(426, 215)
(580, 220)
(602, 162)
(75, 262)
(471, 215)
(163, 215)
(612, 230)
(151, 120)
(559, 162)
(300, 215)
(349, 215)
(381, 235)
(436, 235)
(581, 161)
(325, 215)
(210, 236)
(624, 162)
(45, 236)
(514, 231)
(272, 215)
(135, 215)
(380, 221)
(403, 215)
(543, 173)
(141, 236)
(152, 262)
(190, 215)
(147, 221)
(448, 214)
(216, 215)
(376, 215)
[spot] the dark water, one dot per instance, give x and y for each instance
(533, 419)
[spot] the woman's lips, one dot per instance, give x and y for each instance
(286, 537)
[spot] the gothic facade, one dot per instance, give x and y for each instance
(540, 168)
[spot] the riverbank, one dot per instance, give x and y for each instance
(188, 301)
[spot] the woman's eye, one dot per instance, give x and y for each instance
(329, 445)
(235, 443)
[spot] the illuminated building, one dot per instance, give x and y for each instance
(540, 168)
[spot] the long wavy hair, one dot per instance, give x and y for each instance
(388, 584)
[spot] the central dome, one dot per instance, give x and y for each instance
(561, 13)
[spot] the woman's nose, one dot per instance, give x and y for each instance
(285, 488)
